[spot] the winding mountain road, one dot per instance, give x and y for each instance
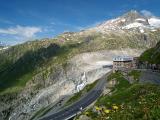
(77, 107)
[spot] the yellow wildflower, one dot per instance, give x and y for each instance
(86, 113)
(107, 111)
(97, 108)
(115, 107)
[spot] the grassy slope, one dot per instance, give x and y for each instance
(134, 102)
(135, 74)
(152, 55)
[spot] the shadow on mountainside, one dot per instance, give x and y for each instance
(26, 64)
(18, 73)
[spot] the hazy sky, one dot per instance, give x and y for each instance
(22, 20)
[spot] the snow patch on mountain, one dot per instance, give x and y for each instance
(140, 20)
(133, 25)
(141, 30)
(114, 24)
(153, 30)
(154, 22)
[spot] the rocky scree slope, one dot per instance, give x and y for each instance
(33, 74)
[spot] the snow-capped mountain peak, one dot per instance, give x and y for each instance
(129, 21)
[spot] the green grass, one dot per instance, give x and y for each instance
(41, 112)
(151, 55)
(136, 74)
(78, 95)
(134, 102)
(37, 114)
(121, 85)
(121, 81)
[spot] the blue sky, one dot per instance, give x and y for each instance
(22, 20)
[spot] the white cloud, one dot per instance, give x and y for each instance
(48, 29)
(53, 23)
(147, 13)
(6, 21)
(22, 31)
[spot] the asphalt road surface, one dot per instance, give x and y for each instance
(82, 103)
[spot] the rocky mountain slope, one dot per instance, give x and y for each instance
(33, 74)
